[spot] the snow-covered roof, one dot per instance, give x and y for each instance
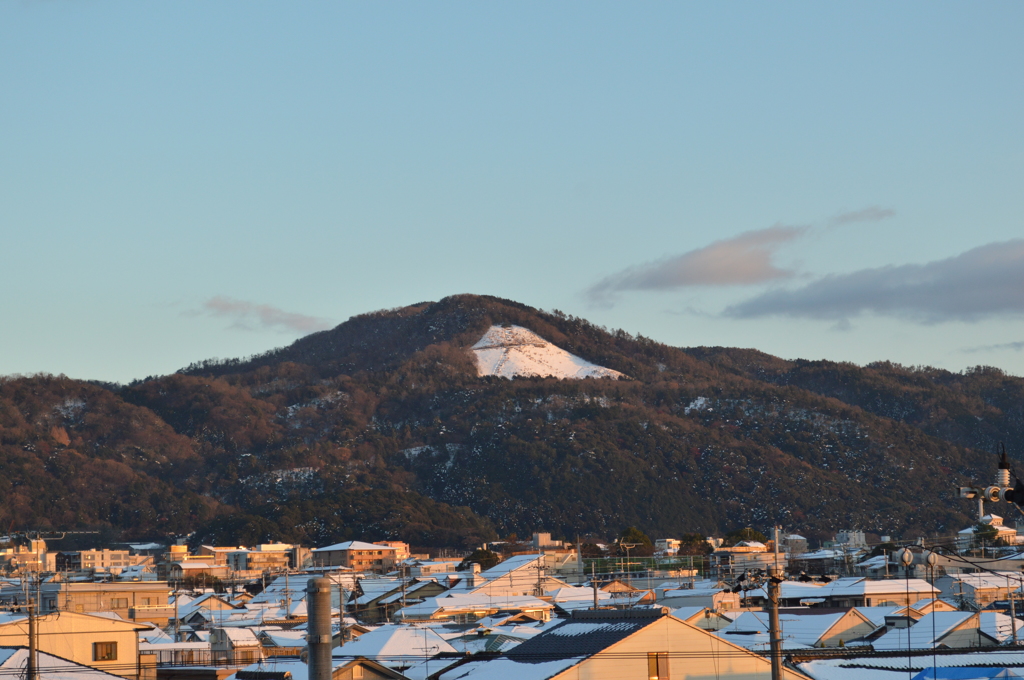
(393, 645)
(805, 629)
(922, 635)
(14, 659)
(354, 545)
(509, 351)
(998, 579)
(240, 636)
(895, 667)
(453, 602)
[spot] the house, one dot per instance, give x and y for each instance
(14, 659)
(136, 600)
(196, 569)
(462, 607)
(282, 642)
(806, 627)
(702, 617)
(620, 644)
(940, 630)
(714, 598)
(357, 555)
(414, 592)
(520, 575)
(394, 646)
(100, 642)
(235, 646)
(978, 590)
(356, 669)
(849, 592)
(977, 665)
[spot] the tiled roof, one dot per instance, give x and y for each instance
(586, 634)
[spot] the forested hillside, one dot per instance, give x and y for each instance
(381, 428)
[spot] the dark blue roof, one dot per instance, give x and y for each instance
(586, 634)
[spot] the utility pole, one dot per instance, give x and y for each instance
(1013, 611)
(32, 667)
(593, 581)
(774, 629)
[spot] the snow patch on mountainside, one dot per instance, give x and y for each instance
(508, 351)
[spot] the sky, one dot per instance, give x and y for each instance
(182, 181)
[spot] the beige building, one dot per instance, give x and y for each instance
(106, 644)
(357, 556)
(264, 558)
(19, 559)
(79, 560)
(138, 600)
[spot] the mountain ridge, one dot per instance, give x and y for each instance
(310, 442)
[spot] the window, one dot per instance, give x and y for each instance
(104, 651)
(147, 601)
(357, 673)
(657, 665)
(119, 603)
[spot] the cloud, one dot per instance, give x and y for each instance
(983, 282)
(1015, 346)
(742, 260)
(870, 214)
(251, 316)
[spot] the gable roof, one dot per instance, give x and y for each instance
(14, 659)
(391, 643)
(585, 634)
(925, 634)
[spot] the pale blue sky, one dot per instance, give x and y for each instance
(168, 168)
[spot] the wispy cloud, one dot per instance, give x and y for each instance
(1015, 346)
(983, 282)
(252, 316)
(870, 214)
(742, 260)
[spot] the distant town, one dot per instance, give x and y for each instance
(855, 606)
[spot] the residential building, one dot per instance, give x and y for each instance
(401, 549)
(91, 560)
(135, 600)
(543, 540)
(809, 627)
(178, 571)
(30, 557)
(979, 590)
(621, 644)
(951, 630)
(794, 544)
(261, 559)
(235, 646)
(96, 641)
(464, 607)
(13, 661)
(667, 546)
(851, 538)
(357, 555)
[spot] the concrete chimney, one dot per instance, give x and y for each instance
(318, 633)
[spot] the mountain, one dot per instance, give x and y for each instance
(452, 422)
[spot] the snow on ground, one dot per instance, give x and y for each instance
(509, 351)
